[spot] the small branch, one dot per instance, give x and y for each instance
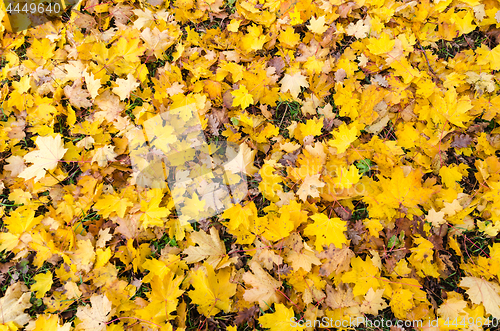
(428, 63)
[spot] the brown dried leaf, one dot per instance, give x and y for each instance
(344, 213)
(277, 63)
(246, 315)
(121, 13)
(340, 297)
(461, 141)
(84, 21)
(338, 260)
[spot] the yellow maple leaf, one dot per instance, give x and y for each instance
(210, 247)
(450, 175)
(401, 302)
(278, 227)
(491, 57)
(162, 298)
(293, 83)
(288, 38)
(50, 151)
(43, 283)
(364, 275)
(242, 97)
(21, 220)
(310, 128)
(243, 162)
(347, 177)
(124, 87)
(373, 302)
(304, 259)
(112, 203)
(452, 308)
(94, 318)
(93, 84)
(310, 187)
(270, 184)
(153, 214)
(485, 292)
(281, 320)
(436, 218)
(381, 45)
(104, 155)
(317, 25)
(212, 292)
(327, 231)
(50, 322)
(344, 137)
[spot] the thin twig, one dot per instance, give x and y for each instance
(428, 63)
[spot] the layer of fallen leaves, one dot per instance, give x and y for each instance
(372, 159)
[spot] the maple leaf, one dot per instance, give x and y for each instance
(104, 154)
(363, 276)
(358, 30)
(381, 45)
(340, 297)
(403, 189)
(317, 25)
(13, 304)
(337, 260)
(452, 308)
(243, 162)
(327, 231)
(485, 292)
(246, 315)
(242, 97)
(125, 86)
(77, 96)
(436, 218)
(373, 302)
(491, 57)
(93, 84)
(162, 298)
(43, 283)
(210, 248)
(267, 257)
(280, 319)
(304, 259)
(94, 318)
(263, 285)
(48, 322)
(50, 152)
(84, 255)
(310, 187)
(401, 302)
(212, 292)
(15, 165)
(344, 137)
(293, 83)
(109, 203)
(153, 214)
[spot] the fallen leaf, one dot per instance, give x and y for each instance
(50, 152)
(94, 318)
